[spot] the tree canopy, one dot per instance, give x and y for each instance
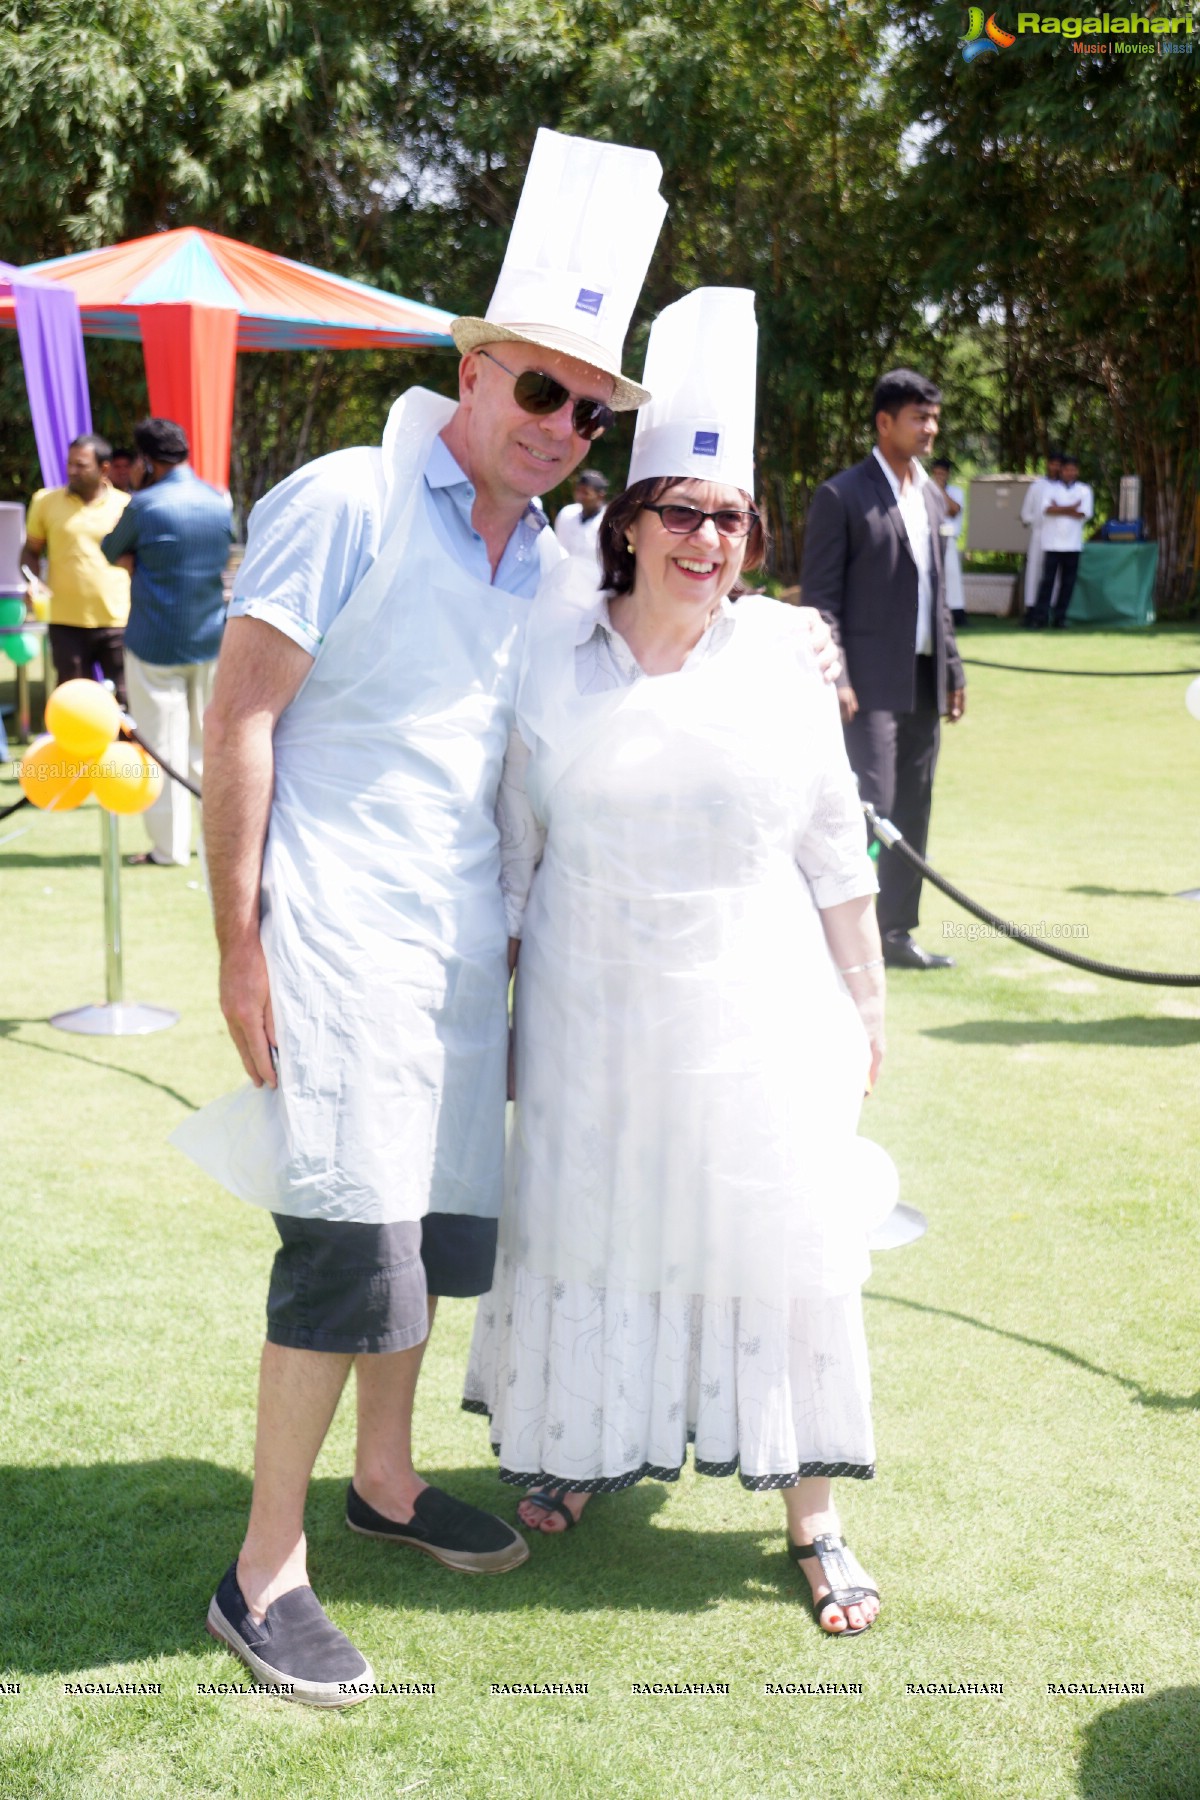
(1025, 226)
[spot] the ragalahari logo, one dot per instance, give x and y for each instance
(1127, 34)
(983, 38)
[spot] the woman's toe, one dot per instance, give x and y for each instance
(536, 1518)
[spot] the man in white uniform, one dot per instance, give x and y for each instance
(952, 499)
(362, 707)
(577, 526)
(1067, 505)
(1033, 508)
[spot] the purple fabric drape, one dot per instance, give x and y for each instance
(51, 339)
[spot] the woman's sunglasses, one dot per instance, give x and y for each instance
(730, 521)
(541, 395)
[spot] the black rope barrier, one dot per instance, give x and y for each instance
(892, 839)
(977, 662)
(130, 731)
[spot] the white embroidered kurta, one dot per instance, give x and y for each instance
(684, 1233)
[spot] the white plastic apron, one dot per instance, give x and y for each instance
(382, 919)
(690, 1065)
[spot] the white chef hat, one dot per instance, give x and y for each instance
(700, 367)
(585, 230)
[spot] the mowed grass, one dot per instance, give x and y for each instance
(1036, 1361)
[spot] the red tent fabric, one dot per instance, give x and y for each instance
(191, 354)
(195, 299)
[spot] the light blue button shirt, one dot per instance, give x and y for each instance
(452, 497)
(313, 538)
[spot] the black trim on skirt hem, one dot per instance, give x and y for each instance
(616, 1484)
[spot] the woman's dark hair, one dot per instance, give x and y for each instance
(616, 561)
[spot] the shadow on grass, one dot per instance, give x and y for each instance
(112, 1562)
(116, 1562)
(1143, 1396)
(1134, 1032)
(10, 1027)
(1106, 893)
(617, 1558)
(1146, 1748)
(25, 859)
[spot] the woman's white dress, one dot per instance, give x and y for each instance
(683, 1239)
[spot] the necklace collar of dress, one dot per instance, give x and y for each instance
(597, 617)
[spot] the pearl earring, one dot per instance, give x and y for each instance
(629, 546)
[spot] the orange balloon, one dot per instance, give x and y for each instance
(84, 717)
(126, 780)
(54, 778)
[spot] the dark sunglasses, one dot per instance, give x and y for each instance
(541, 395)
(730, 521)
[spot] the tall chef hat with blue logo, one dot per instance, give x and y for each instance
(701, 366)
(585, 230)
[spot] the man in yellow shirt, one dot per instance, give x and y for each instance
(89, 598)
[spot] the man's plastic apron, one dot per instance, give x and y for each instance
(382, 919)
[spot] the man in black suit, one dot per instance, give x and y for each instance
(873, 565)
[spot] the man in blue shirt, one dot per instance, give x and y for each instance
(174, 538)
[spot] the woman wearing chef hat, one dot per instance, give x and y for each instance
(699, 1009)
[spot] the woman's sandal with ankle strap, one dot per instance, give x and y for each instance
(549, 1499)
(843, 1590)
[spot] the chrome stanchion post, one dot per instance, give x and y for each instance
(110, 871)
(117, 1017)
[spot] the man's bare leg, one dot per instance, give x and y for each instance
(385, 1492)
(298, 1392)
(384, 1475)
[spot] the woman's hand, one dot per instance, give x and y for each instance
(869, 996)
(853, 938)
(821, 643)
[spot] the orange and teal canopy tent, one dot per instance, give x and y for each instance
(194, 299)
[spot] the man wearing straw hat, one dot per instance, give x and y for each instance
(362, 709)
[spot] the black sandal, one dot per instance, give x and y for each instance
(828, 1551)
(549, 1500)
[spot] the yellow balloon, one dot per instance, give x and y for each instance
(84, 717)
(126, 780)
(53, 778)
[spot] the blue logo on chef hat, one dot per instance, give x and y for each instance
(705, 443)
(589, 301)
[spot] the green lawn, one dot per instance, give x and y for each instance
(1036, 1360)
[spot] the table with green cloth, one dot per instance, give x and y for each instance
(1115, 586)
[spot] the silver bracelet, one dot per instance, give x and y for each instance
(859, 968)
